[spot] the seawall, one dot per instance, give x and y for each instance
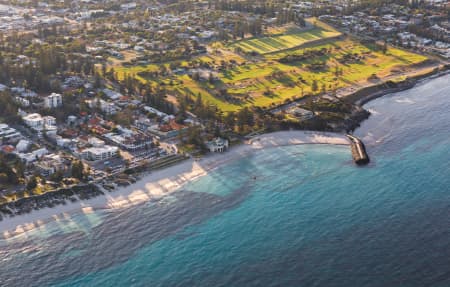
(359, 154)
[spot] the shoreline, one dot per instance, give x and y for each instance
(157, 184)
(160, 183)
(369, 93)
(366, 94)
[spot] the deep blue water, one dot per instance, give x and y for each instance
(311, 217)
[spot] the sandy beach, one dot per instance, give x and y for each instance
(163, 182)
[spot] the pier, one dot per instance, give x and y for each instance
(359, 153)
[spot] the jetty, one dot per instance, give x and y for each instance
(359, 154)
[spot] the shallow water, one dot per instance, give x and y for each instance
(288, 216)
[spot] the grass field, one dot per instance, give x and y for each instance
(293, 80)
(273, 44)
(290, 37)
(266, 81)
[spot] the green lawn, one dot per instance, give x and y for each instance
(277, 43)
(249, 82)
(254, 79)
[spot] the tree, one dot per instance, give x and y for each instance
(57, 176)
(12, 177)
(384, 48)
(230, 120)
(78, 170)
(244, 117)
(32, 183)
(104, 70)
(3, 178)
(336, 71)
(199, 101)
(194, 137)
(97, 81)
(195, 76)
(314, 86)
(211, 78)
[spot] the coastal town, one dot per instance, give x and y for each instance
(93, 95)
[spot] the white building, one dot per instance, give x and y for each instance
(155, 111)
(139, 48)
(23, 92)
(8, 133)
(34, 121)
(128, 6)
(33, 156)
(39, 123)
(53, 101)
(49, 164)
(22, 102)
(113, 95)
(49, 121)
(63, 142)
(100, 153)
(95, 142)
(23, 146)
(130, 142)
(217, 145)
(45, 168)
(108, 108)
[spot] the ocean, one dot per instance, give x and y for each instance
(286, 216)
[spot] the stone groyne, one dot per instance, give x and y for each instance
(359, 153)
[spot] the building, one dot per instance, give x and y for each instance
(34, 121)
(96, 142)
(7, 149)
(73, 82)
(131, 142)
(169, 130)
(33, 156)
(217, 145)
(24, 93)
(49, 164)
(45, 168)
(7, 133)
(108, 108)
(128, 6)
(155, 111)
(71, 120)
(23, 145)
(39, 123)
(113, 95)
(300, 113)
(63, 142)
(49, 121)
(100, 153)
(22, 102)
(53, 101)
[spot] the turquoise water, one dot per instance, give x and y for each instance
(289, 216)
